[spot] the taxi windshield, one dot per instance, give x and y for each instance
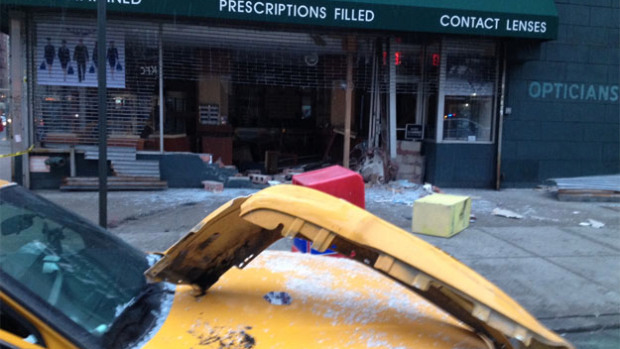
(85, 273)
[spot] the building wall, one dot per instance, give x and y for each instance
(555, 129)
(460, 165)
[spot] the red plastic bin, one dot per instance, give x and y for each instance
(336, 181)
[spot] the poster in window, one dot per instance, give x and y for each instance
(67, 55)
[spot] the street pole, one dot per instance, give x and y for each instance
(103, 119)
(348, 110)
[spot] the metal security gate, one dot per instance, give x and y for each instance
(279, 90)
(266, 74)
(278, 58)
(249, 78)
(65, 90)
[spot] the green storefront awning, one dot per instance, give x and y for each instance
(536, 19)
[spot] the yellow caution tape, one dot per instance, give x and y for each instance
(18, 153)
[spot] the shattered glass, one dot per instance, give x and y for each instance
(72, 265)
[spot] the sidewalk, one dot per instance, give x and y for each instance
(565, 274)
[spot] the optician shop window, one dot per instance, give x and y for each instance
(469, 90)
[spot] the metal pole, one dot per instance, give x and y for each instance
(371, 116)
(348, 111)
(103, 119)
(161, 90)
(392, 96)
(500, 127)
(18, 95)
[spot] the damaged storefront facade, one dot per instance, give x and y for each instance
(420, 88)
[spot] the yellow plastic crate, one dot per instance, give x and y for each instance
(441, 214)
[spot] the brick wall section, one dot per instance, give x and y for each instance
(562, 133)
(410, 161)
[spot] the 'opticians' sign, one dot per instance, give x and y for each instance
(573, 91)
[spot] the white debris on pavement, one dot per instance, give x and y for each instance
(539, 218)
(592, 223)
(173, 197)
(502, 212)
(398, 192)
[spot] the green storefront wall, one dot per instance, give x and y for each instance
(535, 19)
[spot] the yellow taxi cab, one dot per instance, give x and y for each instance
(66, 283)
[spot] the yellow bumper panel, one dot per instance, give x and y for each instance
(241, 229)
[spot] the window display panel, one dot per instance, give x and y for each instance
(67, 55)
(460, 115)
(469, 92)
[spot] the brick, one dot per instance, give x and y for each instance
(407, 148)
(260, 178)
(561, 52)
(537, 111)
(586, 36)
(562, 131)
(407, 159)
(541, 71)
(573, 14)
(611, 152)
(601, 132)
(604, 17)
(560, 150)
(516, 130)
(607, 56)
(583, 112)
(404, 169)
(213, 186)
(595, 73)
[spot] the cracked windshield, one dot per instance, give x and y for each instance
(73, 266)
(309, 174)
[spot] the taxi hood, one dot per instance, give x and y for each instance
(238, 231)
